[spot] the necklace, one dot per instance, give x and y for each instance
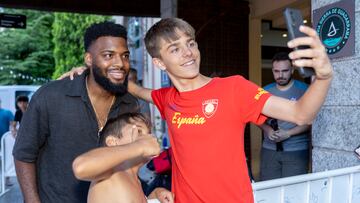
(101, 122)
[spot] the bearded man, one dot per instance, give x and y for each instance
(285, 148)
(65, 118)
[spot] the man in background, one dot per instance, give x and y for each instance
(285, 149)
(22, 103)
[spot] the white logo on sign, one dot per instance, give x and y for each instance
(332, 30)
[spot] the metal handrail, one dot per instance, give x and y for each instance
(304, 178)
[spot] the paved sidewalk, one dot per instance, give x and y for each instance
(14, 193)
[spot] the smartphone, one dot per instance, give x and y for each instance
(357, 151)
(294, 19)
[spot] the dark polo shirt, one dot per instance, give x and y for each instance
(59, 125)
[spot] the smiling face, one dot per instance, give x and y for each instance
(108, 60)
(180, 57)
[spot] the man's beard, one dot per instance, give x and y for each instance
(104, 82)
(283, 83)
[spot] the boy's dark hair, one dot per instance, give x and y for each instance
(114, 126)
(22, 98)
(166, 29)
(103, 29)
(281, 56)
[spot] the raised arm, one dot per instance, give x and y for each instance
(140, 92)
(97, 163)
(305, 109)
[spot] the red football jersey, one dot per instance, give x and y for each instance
(206, 128)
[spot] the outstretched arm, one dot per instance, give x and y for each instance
(305, 109)
(140, 92)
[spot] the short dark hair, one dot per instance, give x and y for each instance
(166, 29)
(114, 126)
(281, 56)
(22, 98)
(103, 29)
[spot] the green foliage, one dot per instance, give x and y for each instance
(50, 45)
(26, 54)
(68, 31)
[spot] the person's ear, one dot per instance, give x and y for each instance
(88, 59)
(111, 141)
(158, 63)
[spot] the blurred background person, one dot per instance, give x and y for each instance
(285, 149)
(22, 103)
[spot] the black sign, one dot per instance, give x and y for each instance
(12, 20)
(335, 26)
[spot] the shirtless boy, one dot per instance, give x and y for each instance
(113, 169)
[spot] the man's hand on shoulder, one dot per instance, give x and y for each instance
(73, 72)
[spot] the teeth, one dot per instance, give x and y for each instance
(189, 63)
(117, 74)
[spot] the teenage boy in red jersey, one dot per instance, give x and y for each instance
(206, 116)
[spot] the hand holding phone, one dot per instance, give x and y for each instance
(293, 20)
